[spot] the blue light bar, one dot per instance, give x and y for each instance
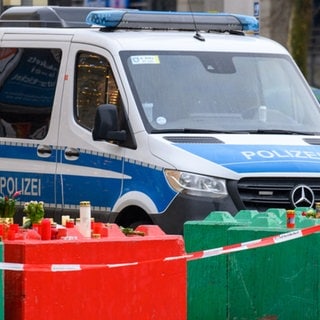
(249, 23)
(160, 20)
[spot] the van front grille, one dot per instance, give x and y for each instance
(264, 193)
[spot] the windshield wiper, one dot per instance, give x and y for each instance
(257, 131)
(281, 131)
(186, 130)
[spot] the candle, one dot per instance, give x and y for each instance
(64, 220)
(85, 218)
(70, 223)
(45, 229)
(24, 220)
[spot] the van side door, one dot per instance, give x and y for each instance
(88, 170)
(31, 84)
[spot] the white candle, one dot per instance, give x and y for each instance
(85, 219)
(64, 220)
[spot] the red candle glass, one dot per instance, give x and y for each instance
(46, 229)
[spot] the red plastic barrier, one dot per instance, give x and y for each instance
(150, 289)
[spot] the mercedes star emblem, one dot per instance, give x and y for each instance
(302, 196)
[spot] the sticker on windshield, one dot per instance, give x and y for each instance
(161, 120)
(145, 60)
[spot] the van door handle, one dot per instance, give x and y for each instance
(71, 153)
(44, 151)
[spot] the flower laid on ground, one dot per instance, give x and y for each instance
(8, 205)
(34, 211)
(131, 231)
(311, 213)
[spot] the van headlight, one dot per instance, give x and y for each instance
(196, 185)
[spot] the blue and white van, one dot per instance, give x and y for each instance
(153, 117)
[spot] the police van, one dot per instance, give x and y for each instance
(153, 117)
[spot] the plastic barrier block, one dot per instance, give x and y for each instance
(207, 278)
(1, 285)
(274, 282)
(246, 215)
(149, 287)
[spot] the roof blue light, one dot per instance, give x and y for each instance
(134, 19)
(108, 19)
(249, 23)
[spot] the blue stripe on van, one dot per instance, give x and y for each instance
(24, 151)
(258, 158)
(150, 181)
(92, 176)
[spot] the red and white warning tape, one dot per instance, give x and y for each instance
(255, 243)
(263, 242)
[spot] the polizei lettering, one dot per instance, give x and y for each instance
(28, 186)
(284, 154)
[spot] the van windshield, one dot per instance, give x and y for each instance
(220, 92)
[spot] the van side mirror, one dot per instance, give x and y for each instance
(106, 124)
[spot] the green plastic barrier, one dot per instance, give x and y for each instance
(274, 282)
(207, 278)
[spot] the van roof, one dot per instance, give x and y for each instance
(144, 40)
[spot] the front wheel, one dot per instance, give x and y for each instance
(132, 217)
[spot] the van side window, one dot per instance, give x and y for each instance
(28, 79)
(95, 85)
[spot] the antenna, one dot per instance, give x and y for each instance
(197, 36)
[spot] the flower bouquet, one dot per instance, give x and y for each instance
(7, 211)
(34, 211)
(8, 206)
